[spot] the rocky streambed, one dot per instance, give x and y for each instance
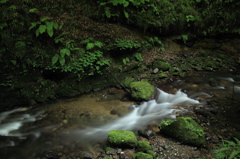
(58, 130)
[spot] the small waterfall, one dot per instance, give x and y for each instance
(158, 109)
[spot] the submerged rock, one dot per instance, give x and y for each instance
(184, 129)
(145, 133)
(122, 138)
(141, 90)
(212, 82)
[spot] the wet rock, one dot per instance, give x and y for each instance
(86, 155)
(122, 138)
(110, 151)
(185, 130)
(146, 133)
(212, 82)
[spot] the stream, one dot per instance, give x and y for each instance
(69, 126)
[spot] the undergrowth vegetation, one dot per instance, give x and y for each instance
(201, 17)
(35, 38)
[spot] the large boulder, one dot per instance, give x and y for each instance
(141, 90)
(185, 130)
(122, 138)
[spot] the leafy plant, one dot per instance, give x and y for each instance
(153, 42)
(85, 60)
(44, 26)
(126, 60)
(228, 150)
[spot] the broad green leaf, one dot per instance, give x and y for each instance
(64, 52)
(62, 61)
(37, 33)
(107, 12)
(126, 14)
(50, 32)
(14, 62)
(33, 10)
(42, 29)
(90, 46)
(55, 59)
(55, 25)
(44, 18)
(49, 26)
(98, 44)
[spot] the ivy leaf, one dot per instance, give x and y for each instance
(42, 29)
(55, 59)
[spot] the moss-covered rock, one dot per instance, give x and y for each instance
(141, 155)
(212, 82)
(161, 65)
(184, 129)
(127, 81)
(162, 75)
(141, 90)
(143, 146)
(122, 138)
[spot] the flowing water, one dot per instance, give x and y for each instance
(71, 125)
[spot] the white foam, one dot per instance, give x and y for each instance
(160, 108)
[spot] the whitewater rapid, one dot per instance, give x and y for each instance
(158, 109)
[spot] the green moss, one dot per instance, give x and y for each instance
(143, 146)
(162, 75)
(150, 152)
(141, 155)
(122, 138)
(184, 129)
(141, 90)
(127, 81)
(161, 65)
